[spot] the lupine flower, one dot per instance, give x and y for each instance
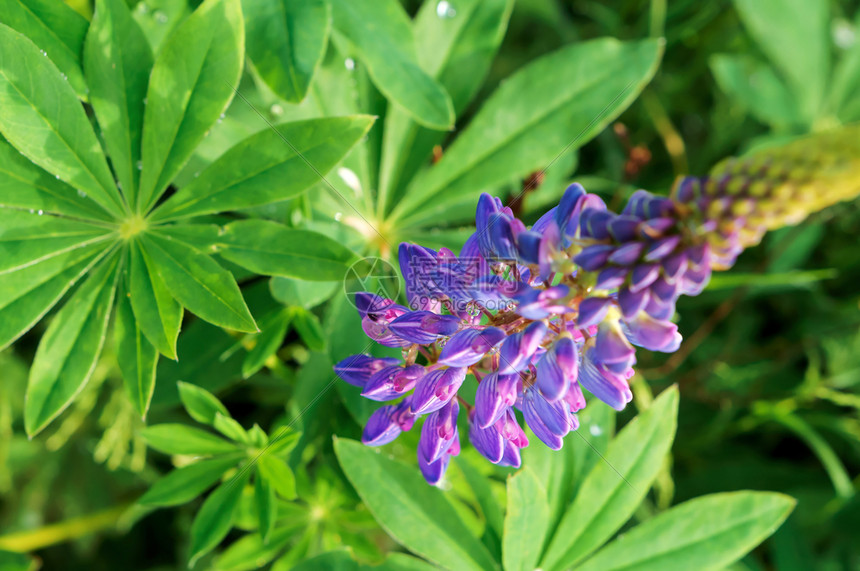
(536, 315)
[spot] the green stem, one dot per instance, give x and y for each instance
(74, 528)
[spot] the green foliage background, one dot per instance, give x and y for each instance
(768, 377)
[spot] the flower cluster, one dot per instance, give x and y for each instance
(541, 315)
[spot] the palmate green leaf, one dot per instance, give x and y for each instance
(267, 507)
(267, 342)
(199, 283)
(309, 328)
(270, 166)
(342, 561)
(216, 516)
(26, 295)
(756, 87)
(191, 84)
(415, 514)
(117, 62)
(381, 32)
(457, 52)
(776, 25)
(70, 347)
(136, 356)
(40, 115)
(27, 238)
(526, 521)
(278, 473)
(55, 28)
(557, 102)
(285, 41)
(200, 404)
(158, 315)
(24, 185)
(269, 248)
(184, 484)
(705, 533)
(182, 439)
(615, 487)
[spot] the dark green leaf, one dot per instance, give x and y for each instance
(191, 84)
(267, 507)
(525, 522)
(117, 62)
(273, 249)
(705, 533)
(136, 356)
(615, 486)
(199, 283)
(40, 115)
(272, 165)
(55, 28)
(200, 404)
(267, 342)
(308, 326)
(69, 349)
(182, 439)
(186, 483)
(415, 514)
(286, 41)
(215, 518)
(158, 315)
(556, 103)
(381, 32)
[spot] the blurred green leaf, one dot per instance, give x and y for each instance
(57, 29)
(250, 552)
(200, 404)
(704, 533)
(184, 484)
(69, 348)
(278, 475)
(341, 561)
(273, 249)
(215, 518)
(792, 279)
(42, 117)
(117, 62)
(415, 514)
(615, 487)
(136, 356)
(199, 283)
(266, 343)
(526, 521)
(230, 428)
(756, 87)
(307, 294)
(556, 103)
(191, 84)
(285, 41)
(488, 503)
(267, 508)
(273, 165)
(778, 26)
(308, 326)
(182, 439)
(381, 32)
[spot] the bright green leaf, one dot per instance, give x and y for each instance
(40, 115)
(286, 41)
(705, 533)
(267, 342)
(117, 62)
(415, 514)
(184, 484)
(615, 486)
(525, 522)
(267, 507)
(215, 518)
(230, 428)
(159, 316)
(556, 103)
(200, 404)
(278, 474)
(270, 166)
(182, 439)
(136, 356)
(307, 294)
(199, 283)
(250, 552)
(192, 82)
(53, 26)
(309, 328)
(270, 248)
(69, 349)
(381, 32)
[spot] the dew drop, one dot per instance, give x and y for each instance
(350, 178)
(143, 7)
(595, 430)
(196, 174)
(160, 17)
(221, 231)
(39, 213)
(144, 100)
(82, 194)
(445, 10)
(338, 216)
(56, 176)
(349, 63)
(276, 110)
(139, 165)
